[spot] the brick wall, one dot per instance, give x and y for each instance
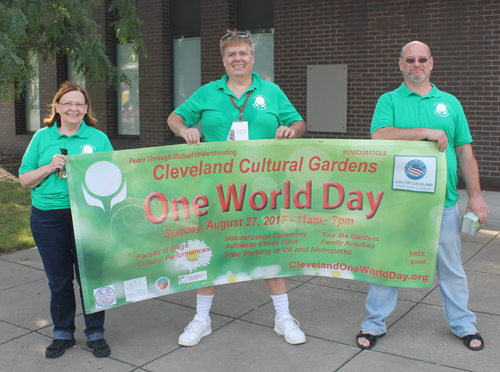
(48, 86)
(154, 86)
(8, 128)
(103, 99)
(216, 17)
(15, 140)
(464, 37)
(366, 35)
(155, 80)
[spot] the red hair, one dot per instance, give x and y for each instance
(67, 87)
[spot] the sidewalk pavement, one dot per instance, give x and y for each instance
(143, 335)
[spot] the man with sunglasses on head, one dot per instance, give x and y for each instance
(239, 106)
(418, 111)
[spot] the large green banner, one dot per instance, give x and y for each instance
(154, 221)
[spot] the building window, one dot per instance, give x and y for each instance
(264, 53)
(128, 97)
(257, 17)
(32, 100)
(73, 75)
(187, 68)
(186, 50)
(254, 14)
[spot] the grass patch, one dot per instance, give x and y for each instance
(15, 211)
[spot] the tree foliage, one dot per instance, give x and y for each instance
(61, 27)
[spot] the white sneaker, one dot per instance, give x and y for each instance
(289, 328)
(194, 331)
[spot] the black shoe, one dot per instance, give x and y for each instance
(58, 347)
(100, 348)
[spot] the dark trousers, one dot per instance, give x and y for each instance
(55, 240)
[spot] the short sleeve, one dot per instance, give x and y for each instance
(288, 114)
(383, 115)
(191, 110)
(462, 133)
(31, 156)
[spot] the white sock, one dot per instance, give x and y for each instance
(281, 305)
(203, 306)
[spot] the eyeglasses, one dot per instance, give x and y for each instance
(68, 105)
(421, 60)
(243, 35)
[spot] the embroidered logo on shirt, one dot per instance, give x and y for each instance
(440, 109)
(260, 102)
(87, 149)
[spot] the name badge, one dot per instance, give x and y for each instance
(239, 131)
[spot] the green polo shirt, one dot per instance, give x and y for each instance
(266, 109)
(52, 192)
(403, 108)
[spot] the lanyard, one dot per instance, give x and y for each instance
(241, 109)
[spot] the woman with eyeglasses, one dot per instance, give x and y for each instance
(69, 131)
(239, 106)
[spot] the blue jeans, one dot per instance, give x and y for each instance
(452, 281)
(54, 237)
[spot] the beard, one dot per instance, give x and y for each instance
(416, 78)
